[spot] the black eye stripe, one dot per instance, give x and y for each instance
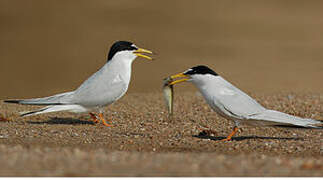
(120, 46)
(200, 70)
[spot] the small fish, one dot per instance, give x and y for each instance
(168, 95)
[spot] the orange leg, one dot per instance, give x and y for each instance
(103, 120)
(235, 129)
(94, 118)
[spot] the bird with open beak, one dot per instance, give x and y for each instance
(233, 104)
(103, 88)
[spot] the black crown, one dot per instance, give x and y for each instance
(120, 46)
(201, 69)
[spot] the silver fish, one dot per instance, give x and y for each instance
(168, 95)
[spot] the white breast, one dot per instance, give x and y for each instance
(117, 79)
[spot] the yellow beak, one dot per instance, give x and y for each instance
(180, 75)
(140, 50)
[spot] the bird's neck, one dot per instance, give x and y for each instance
(127, 74)
(122, 68)
(207, 84)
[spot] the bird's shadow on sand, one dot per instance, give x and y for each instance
(241, 138)
(206, 135)
(66, 121)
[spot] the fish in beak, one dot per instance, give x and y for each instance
(168, 91)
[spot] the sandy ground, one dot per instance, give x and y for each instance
(144, 142)
(271, 47)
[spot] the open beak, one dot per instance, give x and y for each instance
(180, 75)
(140, 50)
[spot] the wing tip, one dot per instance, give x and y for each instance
(28, 102)
(12, 101)
(26, 113)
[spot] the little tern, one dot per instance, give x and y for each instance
(104, 87)
(233, 104)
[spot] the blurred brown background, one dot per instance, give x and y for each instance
(49, 46)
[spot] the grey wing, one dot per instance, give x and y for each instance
(237, 103)
(100, 89)
(58, 99)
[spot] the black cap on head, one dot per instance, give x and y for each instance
(120, 46)
(201, 69)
